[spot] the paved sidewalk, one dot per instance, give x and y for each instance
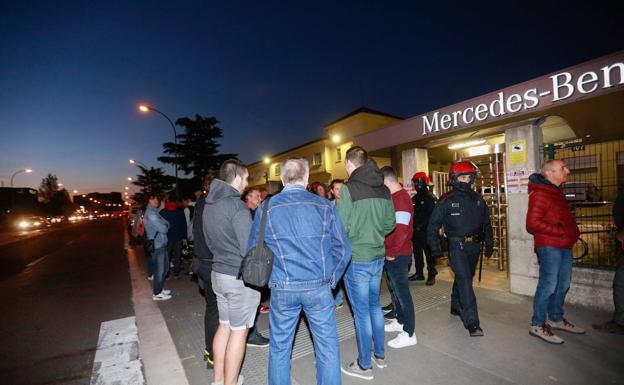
(445, 354)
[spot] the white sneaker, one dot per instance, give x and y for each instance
(150, 278)
(166, 291)
(393, 326)
(403, 340)
(161, 297)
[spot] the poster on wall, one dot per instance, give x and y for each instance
(518, 180)
(517, 155)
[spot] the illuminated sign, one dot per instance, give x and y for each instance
(561, 87)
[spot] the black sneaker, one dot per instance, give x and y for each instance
(431, 279)
(390, 316)
(475, 331)
(259, 341)
(416, 277)
(388, 308)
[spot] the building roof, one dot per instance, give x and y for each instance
(291, 149)
(363, 109)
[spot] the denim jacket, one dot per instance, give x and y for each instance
(155, 225)
(304, 232)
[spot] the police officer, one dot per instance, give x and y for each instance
(423, 202)
(464, 215)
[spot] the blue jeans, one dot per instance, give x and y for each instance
(363, 281)
(318, 306)
(150, 264)
(396, 271)
(161, 264)
(555, 273)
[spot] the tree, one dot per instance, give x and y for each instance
(152, 181)
(55, 201)
(198, 150)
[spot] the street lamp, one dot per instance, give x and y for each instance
(134, 161)
(26, 170)
(147, 108)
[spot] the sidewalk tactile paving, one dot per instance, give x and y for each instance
(185, 318)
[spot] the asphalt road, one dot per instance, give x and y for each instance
(55, 290)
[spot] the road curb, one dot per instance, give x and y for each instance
(156, 348)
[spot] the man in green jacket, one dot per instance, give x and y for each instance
(366, 210)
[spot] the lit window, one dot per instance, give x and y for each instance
(338, 155)
(277, 170)
(317, 160)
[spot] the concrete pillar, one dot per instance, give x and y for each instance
(413, 160)
(523, 156)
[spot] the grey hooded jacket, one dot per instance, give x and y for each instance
(226, 227)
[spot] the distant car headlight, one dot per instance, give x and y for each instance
(23, 225)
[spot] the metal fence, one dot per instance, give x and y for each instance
(596, 177)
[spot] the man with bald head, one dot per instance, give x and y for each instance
(553, 225)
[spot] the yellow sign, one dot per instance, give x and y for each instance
(517, 152)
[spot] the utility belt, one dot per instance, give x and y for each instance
(467, 238)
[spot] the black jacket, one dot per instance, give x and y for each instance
(462, 212)
(424, 202)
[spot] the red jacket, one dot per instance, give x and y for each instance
(549, 217)
(399, 241)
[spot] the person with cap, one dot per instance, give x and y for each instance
(424, 202)
(464, 215)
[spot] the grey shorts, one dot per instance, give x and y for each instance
(236, 302)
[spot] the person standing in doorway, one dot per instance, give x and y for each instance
(552, 223)
(464, 215)
(424, 202)
(366, 210)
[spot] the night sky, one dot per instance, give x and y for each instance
(73, 73)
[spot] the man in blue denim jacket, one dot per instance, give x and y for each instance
(312, 250)
(156, 228)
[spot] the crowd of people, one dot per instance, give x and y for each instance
(331, 245)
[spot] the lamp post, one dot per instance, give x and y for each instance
(147, 173)
(26, 170)
(146, 108)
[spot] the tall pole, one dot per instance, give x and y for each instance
(17, 172)
(175, 146)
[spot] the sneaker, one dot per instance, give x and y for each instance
(166, 291)
(339, 306)
(208, 359)
(258, 341)
(355, 370)
(475, 331)
(161, 297)
(609, 327)
(402, 340)
(393, 326)
(565, 326)
(389, 308)
(150, 278)
(390, 316)
(379, 362)
(416, 277)
(264, 309)
(430, 280)
(545, 333)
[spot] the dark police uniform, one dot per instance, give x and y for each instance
(464, 215)
(424, 202)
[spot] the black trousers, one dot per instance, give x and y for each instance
(463, 257)
(211, 316)
(419, 240)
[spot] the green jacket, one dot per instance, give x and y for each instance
(366, 210)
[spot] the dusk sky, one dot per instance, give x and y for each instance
(73, 73)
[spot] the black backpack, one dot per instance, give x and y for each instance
(258, 262)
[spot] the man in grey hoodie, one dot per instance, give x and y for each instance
(226, 229)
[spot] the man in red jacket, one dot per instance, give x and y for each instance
(398, 246)
(554, 230)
